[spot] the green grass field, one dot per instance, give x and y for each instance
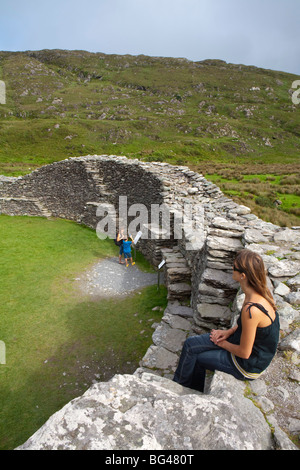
(57, 340)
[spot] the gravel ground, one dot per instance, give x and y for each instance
(108, 278)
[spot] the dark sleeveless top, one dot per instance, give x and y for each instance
(264, 347)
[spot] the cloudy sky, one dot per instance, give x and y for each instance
(264, 33)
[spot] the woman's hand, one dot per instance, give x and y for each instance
(217, 336)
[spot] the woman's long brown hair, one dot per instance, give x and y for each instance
(252, 265)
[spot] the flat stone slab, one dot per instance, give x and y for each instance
(159, 358)
(219, 279)
(285, 268)
(225, 224)
(179, 310)
(170, 338)
(176, 321)
(252, 235)
(224, 243)
(180, 288)
(214, 312)
(287, 235)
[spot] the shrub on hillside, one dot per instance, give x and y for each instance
(264, 201)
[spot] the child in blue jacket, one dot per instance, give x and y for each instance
(127, 251)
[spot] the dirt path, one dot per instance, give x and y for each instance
(108, 278)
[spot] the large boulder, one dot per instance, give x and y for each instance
(145, 411)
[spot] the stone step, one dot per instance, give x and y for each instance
(180, 291)
(211, 314)
(176, 309)
(163, 355)
(178, 274)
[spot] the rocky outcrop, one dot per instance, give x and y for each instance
(144, 411)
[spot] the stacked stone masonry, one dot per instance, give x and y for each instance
(198, 265)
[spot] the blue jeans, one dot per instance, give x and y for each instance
(198, 354)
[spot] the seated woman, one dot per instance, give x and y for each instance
(245, 350)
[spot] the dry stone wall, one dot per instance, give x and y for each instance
(199, 263)
(201, 292)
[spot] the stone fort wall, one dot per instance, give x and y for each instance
(198, 265)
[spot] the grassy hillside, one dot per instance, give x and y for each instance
(210, 115)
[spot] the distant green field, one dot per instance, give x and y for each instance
(260, 191)
(57, 340)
